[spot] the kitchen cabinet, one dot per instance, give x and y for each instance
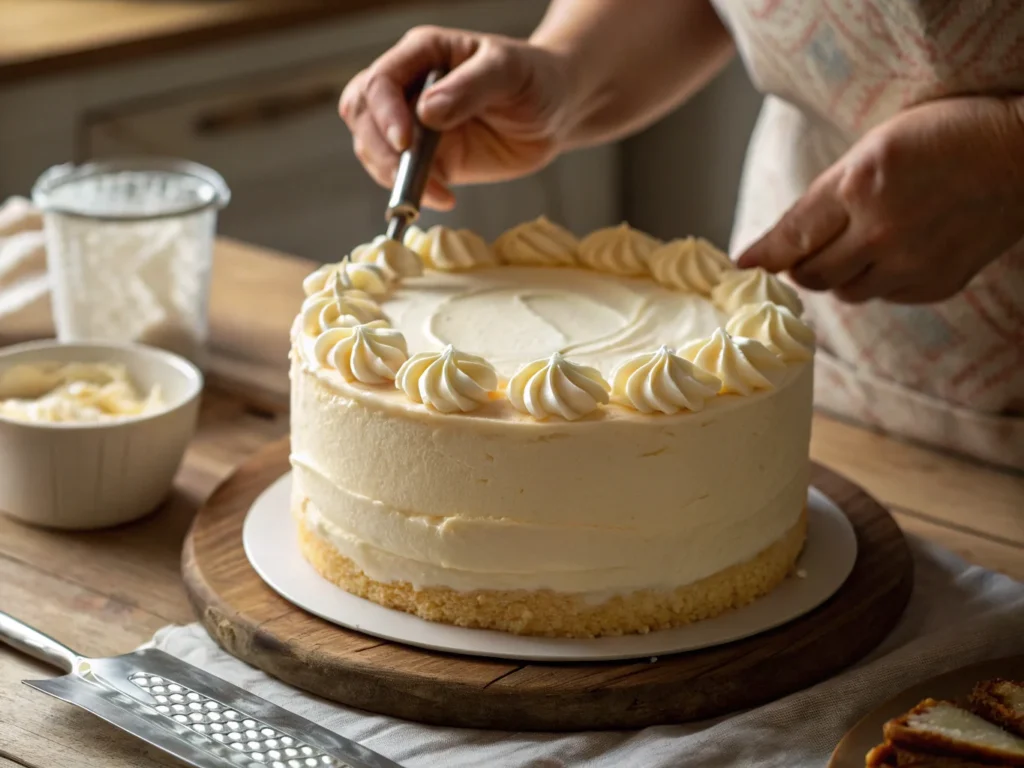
(263, 113)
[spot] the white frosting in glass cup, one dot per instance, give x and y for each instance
(130, 248)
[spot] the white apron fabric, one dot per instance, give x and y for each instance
(948, 374)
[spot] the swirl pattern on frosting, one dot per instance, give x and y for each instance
(557, 387)
(777, 328)
(370, 354)
(416, 240)
(450, 250)
(368, 278)
(336, 307)
(753, 286)
(620, 250)
(320, 279)
(538, 243)
(447, 381)
(743, 365)
(391, 255)
(689, 264)
(662, 382)
(364, 277)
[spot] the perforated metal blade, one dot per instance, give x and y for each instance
(201, 719)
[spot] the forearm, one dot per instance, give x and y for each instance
(632, 62)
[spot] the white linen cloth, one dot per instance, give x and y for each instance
(958, 614)
(23, 277)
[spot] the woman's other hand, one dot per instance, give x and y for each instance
(913, 211)
(501, 107)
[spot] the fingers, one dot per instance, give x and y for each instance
(438, 195)
(391, 76)
(835, 265)
(490, 75)
(871, 283)
(378, 158)
(814, 221)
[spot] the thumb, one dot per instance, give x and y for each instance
(490, 76)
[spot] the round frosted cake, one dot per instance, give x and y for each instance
(549, 436)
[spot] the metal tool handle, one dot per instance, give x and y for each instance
(413, 171)
(36, 644)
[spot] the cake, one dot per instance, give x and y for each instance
(941, 734)
(550, 436)
(1002, 702)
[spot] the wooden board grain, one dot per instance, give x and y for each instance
(254, 623)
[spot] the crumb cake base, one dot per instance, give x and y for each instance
(553, 614)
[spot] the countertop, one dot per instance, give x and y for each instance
(106, 592)
(46, 37)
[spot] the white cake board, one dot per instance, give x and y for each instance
(271, 544)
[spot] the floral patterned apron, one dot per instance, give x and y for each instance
(950, 374)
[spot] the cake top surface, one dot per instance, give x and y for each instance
(549, 325)
(515, 315)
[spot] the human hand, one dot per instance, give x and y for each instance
(500, 108)
(913, 211)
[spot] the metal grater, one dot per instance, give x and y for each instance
(189, 713)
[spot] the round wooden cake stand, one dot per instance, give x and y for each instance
(251, 621)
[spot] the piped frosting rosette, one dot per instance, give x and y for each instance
(662, 382)
(448, 381)
(557, 387)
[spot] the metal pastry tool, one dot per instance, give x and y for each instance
(188, 713)
(413, 172)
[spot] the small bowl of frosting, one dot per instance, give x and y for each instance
(92, 434)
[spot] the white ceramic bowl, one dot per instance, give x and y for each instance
(93, 475)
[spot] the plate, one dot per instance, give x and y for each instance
(271, 545)
(867, 734)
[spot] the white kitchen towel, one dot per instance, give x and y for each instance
(23, 277)
(958, 614)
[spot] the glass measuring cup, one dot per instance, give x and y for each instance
(130, 248)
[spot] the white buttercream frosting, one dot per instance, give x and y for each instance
(73, 392)
(538, 243)
(753, 286)
(777, 328)
(742, 365)
(369, 278)
(415, 238)
(448, 381)
(432, 499)
(662, 382)
(450, 250)
(619, 250)
(370, 353)
(689, 264)
(513, 315)
(390, 255)
(337, 307)
(557, 387)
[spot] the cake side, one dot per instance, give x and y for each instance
(603, 504)
(560, 614)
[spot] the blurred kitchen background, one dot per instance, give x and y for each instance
(250, 88)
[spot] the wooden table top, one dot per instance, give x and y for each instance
(45, 37)
(105, 593)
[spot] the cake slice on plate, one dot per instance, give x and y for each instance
(890, 756)
(943, 730)
(1000, 701)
